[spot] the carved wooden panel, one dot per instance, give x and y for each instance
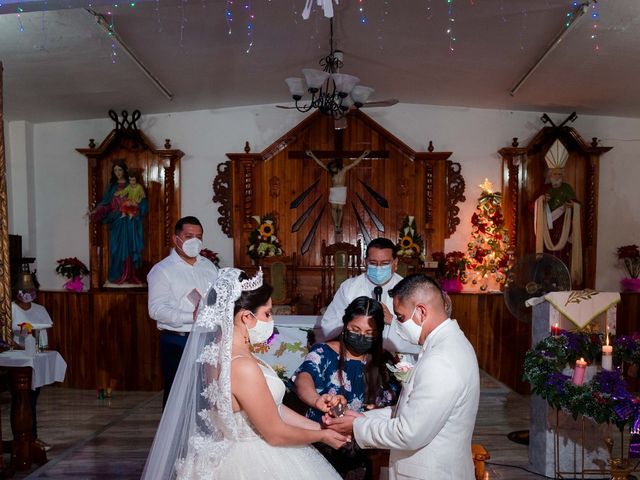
(222, 186)
(158, 171)
(456, 184)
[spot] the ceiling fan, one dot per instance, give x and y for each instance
(333, 93)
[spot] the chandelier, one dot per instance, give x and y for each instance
(332, 92)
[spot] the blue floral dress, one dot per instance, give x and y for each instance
(322, 364)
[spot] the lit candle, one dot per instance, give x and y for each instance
(579, 371)
(555, 330)
(607, 355)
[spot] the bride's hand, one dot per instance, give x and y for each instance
(334, 439)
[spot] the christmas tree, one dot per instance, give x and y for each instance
(487, 250)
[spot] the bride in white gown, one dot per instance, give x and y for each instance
(224, 417)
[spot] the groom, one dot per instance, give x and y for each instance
(429, 431)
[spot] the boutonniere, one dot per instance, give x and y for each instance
(401, 370)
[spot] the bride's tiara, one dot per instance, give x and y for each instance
(252, 283)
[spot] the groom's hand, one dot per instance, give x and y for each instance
(343, 425)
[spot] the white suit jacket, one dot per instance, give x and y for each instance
(429, 431)
(352, 288)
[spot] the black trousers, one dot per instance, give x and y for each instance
(171, 348)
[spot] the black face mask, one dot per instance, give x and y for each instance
(358, 343)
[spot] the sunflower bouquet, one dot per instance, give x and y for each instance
(263, 241)
(410, 243)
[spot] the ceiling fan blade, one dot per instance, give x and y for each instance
(381, 103)
(285, 107)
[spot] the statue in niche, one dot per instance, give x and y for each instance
(557, 215)
(338, 191)
(122, 209)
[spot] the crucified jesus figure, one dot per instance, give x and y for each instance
(338, 191)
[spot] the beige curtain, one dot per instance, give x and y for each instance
(5, 287)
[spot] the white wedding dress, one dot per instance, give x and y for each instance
(251, 457)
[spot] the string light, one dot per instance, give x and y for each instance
(595, 16)
(249, 13)
(112, 28)
(21, 26)
(450, 24)
(228, 15)
(363, 18)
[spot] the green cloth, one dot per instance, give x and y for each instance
(561, 195)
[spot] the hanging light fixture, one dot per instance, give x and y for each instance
(332, 92)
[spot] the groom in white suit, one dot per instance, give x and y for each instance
(429, 431)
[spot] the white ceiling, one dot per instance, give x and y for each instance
(59, 66)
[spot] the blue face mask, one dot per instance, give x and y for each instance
(379, 275)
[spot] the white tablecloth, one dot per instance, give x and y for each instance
(289, 347)
(48, 367)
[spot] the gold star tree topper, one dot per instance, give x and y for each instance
(486, 186)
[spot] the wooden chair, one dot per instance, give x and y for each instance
(339, 261)
(281, 274)
(480, 455)
(408, 266)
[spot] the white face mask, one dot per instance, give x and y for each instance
(192, 247)
(409, 330)
(261, 331)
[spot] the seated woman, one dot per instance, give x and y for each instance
(351, 365)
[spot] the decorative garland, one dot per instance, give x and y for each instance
(605, 398)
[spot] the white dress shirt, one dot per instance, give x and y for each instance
(37, 316)
(352, 288)
(170, 282)
(429, 431)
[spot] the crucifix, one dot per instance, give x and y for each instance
(338, 169)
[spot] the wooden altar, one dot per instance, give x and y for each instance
(392, 181)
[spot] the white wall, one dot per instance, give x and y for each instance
(474, 135)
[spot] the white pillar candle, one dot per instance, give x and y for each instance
(607, 356)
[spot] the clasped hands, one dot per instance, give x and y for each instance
(337, 416)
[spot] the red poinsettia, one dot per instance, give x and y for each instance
(71, 267)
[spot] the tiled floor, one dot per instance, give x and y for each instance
(109, 439)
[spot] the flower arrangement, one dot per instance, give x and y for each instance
(452, 266)
(410, 243)
(630, 257)
(71, 267)
(25, 328)
(605, 398)
(401, 370)
(263, 241)
(211, 256)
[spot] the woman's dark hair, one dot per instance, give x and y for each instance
(123, 166)
(252, 299)
(376, 375)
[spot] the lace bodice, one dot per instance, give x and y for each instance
(246, 430)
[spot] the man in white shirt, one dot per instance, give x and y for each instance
(176, 285)
(429, 431)
(379, 278)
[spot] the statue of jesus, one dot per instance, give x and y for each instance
(338, 191)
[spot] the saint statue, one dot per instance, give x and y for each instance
(338, 191)
(557, 215)
(122, 208)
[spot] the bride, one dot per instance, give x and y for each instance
(224, 417)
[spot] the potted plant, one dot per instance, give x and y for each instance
(452, 270)
(629, 255)
(72, 269)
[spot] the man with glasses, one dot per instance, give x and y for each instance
(376, 282)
